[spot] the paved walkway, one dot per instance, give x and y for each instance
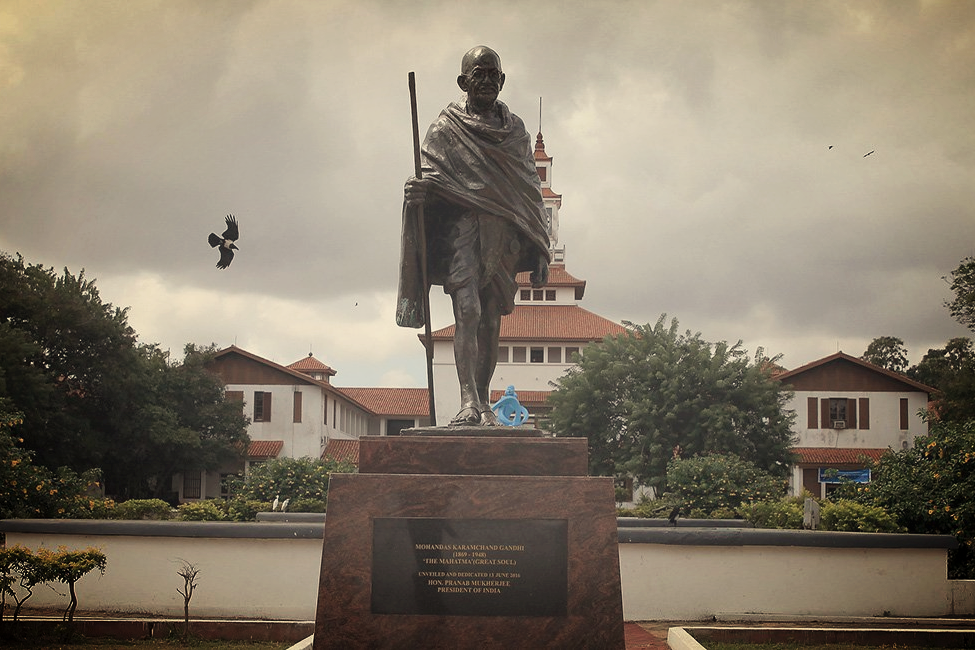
(646, 636)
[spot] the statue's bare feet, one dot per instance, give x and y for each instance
(489, 419)
(468, 416)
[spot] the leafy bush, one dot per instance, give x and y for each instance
(245, 509)
(202, 511)
(288, 478)
(33, 491)
(307, 505)
(26, 569)
(69, 567)
(143, 509)
(705, 485)
(785, 513)
(928, 489)
(857, 517)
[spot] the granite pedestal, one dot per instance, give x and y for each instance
(447, 541)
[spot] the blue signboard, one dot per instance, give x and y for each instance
(829, 475)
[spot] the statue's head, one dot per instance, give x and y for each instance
(481, 77)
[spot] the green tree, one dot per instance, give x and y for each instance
(24, 569)
(962, 281)
(927, 488)
(650, 392)
(707, 485)
(298, 479)
(887, 352)
(172, 418)
(952, 371)
(68, 567)
(91, 397)
(63, 354)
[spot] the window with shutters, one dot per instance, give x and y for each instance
(297, 406)
(838, 413)
(904, 415)
(812, 413)
(864, 413)
(262, 406)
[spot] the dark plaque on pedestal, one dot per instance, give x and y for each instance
(470, 567)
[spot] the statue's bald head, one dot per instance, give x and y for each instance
(477, 57)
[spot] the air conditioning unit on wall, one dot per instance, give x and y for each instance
(839, 424)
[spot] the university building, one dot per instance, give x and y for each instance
(847, 410)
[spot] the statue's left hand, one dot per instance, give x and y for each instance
(539, 276)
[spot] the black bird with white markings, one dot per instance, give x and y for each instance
(226, 242)
(674, 514)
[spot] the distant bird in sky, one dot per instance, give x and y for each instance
(226, 242)
(830, 147)
(867, 154)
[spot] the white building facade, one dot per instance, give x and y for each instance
(846, 410)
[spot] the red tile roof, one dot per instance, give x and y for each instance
(340, 449)
(834, 456)
(310, 364)
(264, 449)
(525, 397)
(549, 323)
(557, 277)
(392, 401)
(547, 193)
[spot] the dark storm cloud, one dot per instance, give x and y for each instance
(691, 143)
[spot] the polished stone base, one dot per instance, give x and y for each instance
(445, 542)
(473, 456)
(478, 430)
(493, 564)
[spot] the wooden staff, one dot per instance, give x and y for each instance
(421, 230)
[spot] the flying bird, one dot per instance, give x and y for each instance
(226, 242)
(867, 154)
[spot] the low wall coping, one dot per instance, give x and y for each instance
(627, 534)
(224, 529)
(646, 522)
(780, 537)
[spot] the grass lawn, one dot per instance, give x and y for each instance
(717, 645)
(83, 643)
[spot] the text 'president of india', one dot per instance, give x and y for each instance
(484, 223)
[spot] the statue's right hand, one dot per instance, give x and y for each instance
(415, 191)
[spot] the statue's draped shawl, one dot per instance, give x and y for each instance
(473, 166)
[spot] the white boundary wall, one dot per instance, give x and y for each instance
(270, 571)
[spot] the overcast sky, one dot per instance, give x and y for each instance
(711, 158)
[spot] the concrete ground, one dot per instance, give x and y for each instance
(642, 635)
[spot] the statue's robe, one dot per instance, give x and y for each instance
(473, 167)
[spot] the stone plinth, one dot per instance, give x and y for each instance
(473, 456)
(476, 542)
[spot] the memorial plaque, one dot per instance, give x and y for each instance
(470, 567)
